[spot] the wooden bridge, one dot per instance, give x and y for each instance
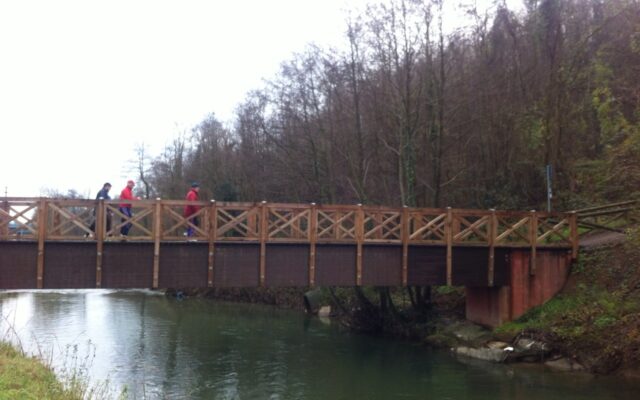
(508, 260)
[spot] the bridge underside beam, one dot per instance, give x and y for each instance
(516, 285)
(185, 265)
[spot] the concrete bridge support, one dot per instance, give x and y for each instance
(527, 288)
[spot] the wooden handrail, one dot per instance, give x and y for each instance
(263, 223)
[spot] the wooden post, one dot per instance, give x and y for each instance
(492, 233)
(42, 232)
(313, 237)
(533, 239)
(56, 224)
(264, 227)
(574, 235)
(99, 235)
(359, 242)
(4, 219)
(157, 237)
(405, 244)
(378, 219)
(337, 216)
(252, 224)
(449, 236)
(295, 225)
(213, 232)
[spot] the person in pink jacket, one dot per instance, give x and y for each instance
(191, 209)
(125, 208)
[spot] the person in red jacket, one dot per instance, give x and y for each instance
(125, 208)
(191, 209)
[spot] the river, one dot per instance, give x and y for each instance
(158, 347)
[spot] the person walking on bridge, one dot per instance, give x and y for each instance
(103, 194)
(125, 208)
(191, 209)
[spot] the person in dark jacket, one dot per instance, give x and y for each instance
(191, 209)
(103, 194)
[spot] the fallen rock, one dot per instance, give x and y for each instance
(482, 353)
(324, 311)
(529, 350)
(468, 333)
(564, 364)
(530, 346)
(497, 345)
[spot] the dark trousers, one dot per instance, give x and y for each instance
(190, 230)
(125, 228)
(93, 224)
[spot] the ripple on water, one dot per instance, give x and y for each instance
(197, 349)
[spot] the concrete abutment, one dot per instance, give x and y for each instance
(493, 306)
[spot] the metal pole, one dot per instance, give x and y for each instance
(549, 192)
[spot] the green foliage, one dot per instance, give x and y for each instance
(444, 290)
(572, 315)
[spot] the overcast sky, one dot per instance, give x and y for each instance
(83, 82)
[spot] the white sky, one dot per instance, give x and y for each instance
(83, 82)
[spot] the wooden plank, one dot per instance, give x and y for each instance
(264, 227)
(574, 235)
(405, 244)
(449, 239)
(213, 229)
(99, 235)
(359, 241)
(533, 239)
(157, 237)
(313, 228)
(606, 206)
(493, 226)
(42, 232)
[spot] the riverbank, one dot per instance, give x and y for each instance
(595, 320)
(23, 377)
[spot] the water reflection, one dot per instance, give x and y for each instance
(196, 349)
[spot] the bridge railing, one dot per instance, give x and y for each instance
(153, 220)
(45, 220)
(613, 217)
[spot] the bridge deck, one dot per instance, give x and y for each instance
(250, 244)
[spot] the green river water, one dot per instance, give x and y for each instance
(162, 348)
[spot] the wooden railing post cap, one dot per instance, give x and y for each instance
(213, 201)
(264, 202)
(532, 211)
(359, 204)
(492, 209)
(312, 204)
(158, 199)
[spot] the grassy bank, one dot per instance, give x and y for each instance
(596, 318)
(23, 377)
